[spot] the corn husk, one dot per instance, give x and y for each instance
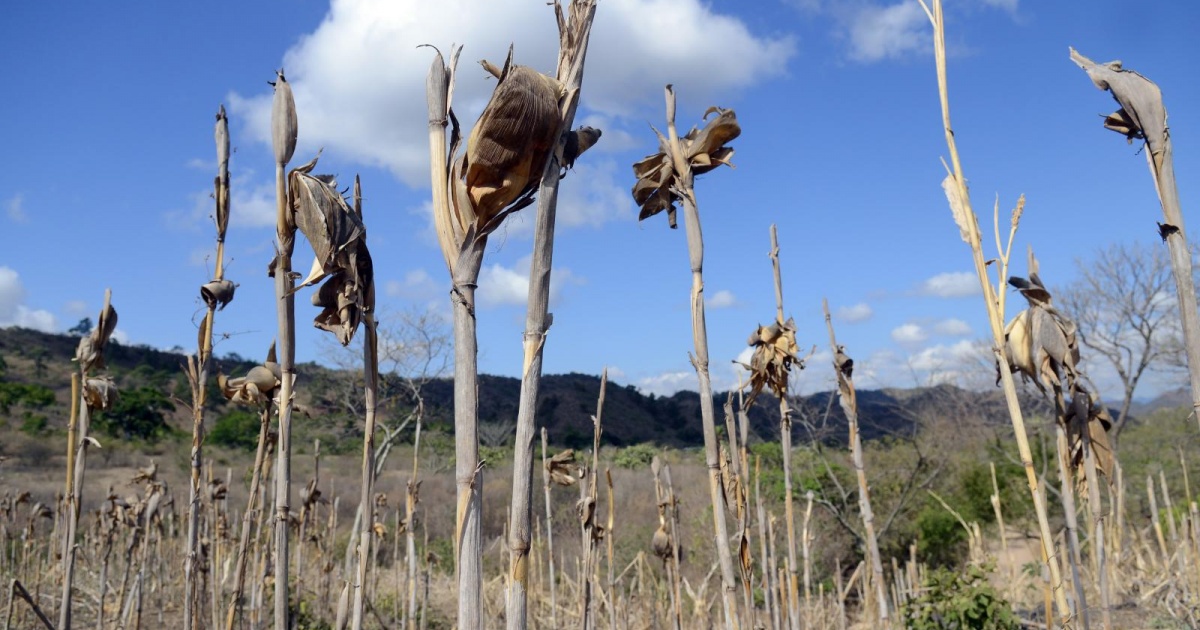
(217, 293)
(284, 126)
(100, 393)
(509, 145)
(257, 387)
(221, 136)
(775, 352)
(560, 468)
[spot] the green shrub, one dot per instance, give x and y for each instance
(236, 429)
(940, 537)
(137, 414)
(33, 424)
(953, 600)
(636, 456)
(33, 396)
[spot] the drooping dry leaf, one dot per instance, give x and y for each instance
(775, 352)
(560, 469)
(509, 145)
(217, 293)
(579, 141)
(100, 393)
(1086, 413)
(338, 238)
(284, 127)
(660, 543)
(90, 353)
(704, 149)
(1142, 113)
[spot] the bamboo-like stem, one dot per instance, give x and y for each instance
(574, 36)
(956, 187)
(848, 398)
(590, 486)
(1067, 496)
(609, 534)
(553, 577)
(1096, 512)
(995, 500)
(371, 377)
(410, 516)
(766, 553)
(239, 574)
(792, 588)
(684, 178)
(286, 302)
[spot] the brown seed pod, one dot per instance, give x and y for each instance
(217, 293)
(284, 127)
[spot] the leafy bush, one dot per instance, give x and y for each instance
(137, 414)
(963, 601)
(33, 424)
(636, 456)
(940, 537)
(34, 396)
(237, 429)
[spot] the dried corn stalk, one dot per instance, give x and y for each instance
(1041, 339)
(90, 353)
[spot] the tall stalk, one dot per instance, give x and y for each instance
(848, 398)
(216, 293)
(574, 36)
(284, 130)
(371, 376)
(239, 574)
(955, 186)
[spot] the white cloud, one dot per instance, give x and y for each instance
(952, 328)
(615, 374)
(416, 285)
(909, 334)
(15, 209)
(76, 308)
(251, 205)
(951, 285)
(721, 299)
(359, 79)
(14, 312)
(887, 32)
(668, 383)
(509, 286)
(860, 312)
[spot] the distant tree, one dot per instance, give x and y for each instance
(137, 414)
(82, 328)
(237, 429)
(1125, 307)
(3, 365)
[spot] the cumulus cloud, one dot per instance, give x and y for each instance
(509, 286)
(721, 299)
(952, 328)
(15, 209)
(14, 311)
(359, 80)
(668, 383)
(76, 308)
(860, 312)
(888, 31)
(909, 334)
(952, 284)
(251, 205)
(416, 285)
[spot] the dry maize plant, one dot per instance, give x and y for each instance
(663, 179)
(94, 394)
(473, 193)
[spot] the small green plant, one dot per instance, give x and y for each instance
(959, 600)
(237, 429)
(635, 457)
(940, 538)
(33, 424)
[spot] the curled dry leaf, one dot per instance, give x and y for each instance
(217, 293)
(1142, 113)
(775, 352)
(1086, 413)
(1041, 340)
(257, 387)
(559, 468)
(90, 353)
(284, 127)
(579, 141)
(510, 143)
(100, 393)
(338, 238)
(379, 529)
(658, 185)
(660, 543)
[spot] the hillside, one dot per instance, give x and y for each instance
(39, 365)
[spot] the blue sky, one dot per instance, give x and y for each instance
(108, 113)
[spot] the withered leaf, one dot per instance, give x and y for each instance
(1041, 340)
(579, 141)
(560, 470)
(100, 393)
(217, 293)
(257, 387)
(90, 353)
(221, 136)
(1142, 113)
(775, 352)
